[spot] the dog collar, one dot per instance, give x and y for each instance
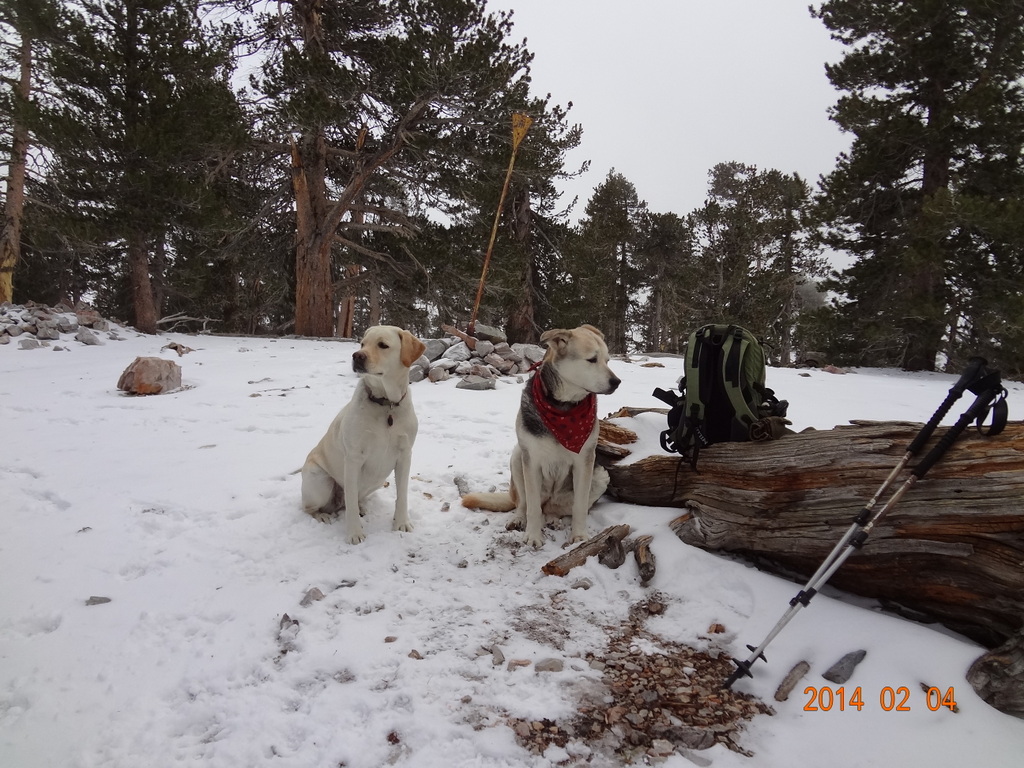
(569, 423)
(391, 404)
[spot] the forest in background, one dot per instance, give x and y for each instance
(318, 166)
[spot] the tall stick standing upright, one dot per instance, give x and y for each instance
(520, 125)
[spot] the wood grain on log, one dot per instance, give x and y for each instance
(562, 564)
(646, 563)
(953, 548)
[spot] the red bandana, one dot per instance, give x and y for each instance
(572, 427)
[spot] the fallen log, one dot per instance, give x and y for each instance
(646, 563)
(562, 564)
(952, 550)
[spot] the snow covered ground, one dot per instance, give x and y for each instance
(183, 511)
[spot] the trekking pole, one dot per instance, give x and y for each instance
(990, 395)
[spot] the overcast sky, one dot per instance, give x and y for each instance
(666, 89)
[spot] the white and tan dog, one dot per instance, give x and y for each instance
(370, 438)
(552, 466)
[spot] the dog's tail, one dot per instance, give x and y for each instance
(495, 502)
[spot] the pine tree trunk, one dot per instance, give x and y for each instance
(522, 320)
(373, 297)
(314, 290)
(14, 204)
(143, 302)
(927, 279)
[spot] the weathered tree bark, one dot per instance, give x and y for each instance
(998, 676)
(14, 202)
(951, 549)
(562, 564)
(143, 300)
(645, 560)
(314, 289)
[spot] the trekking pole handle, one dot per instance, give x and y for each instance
(973, 372)
(977, 412)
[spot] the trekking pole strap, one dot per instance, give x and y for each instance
(973, 373)
(989, 400)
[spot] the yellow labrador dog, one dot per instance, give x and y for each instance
(552, 465)
(371, 437)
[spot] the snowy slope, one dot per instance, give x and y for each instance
(182, 509)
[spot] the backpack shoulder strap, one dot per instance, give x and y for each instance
(735, 353)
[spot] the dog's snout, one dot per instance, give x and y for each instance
(359, 361)
(613, 384)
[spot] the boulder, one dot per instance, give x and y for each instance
(475, 383)
(150, 376)
(458, 352)
(532, 353)
(87, 337)
(435, 348)
(489, 333)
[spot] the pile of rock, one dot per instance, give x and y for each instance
(479, 360)
(35, 325)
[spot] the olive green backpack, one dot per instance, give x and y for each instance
(723, 397)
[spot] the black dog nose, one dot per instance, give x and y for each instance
(358, 361)
(613, 384)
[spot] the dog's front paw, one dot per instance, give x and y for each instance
(517, 523)
(356, 535)
(403, 526)
(534, 539)
(323, 517)
(577, 536)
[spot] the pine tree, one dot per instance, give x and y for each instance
(605, 265)
(753, 251)
(374, 97)
(667, 264)
(146, 111)
(933, 97)
(28, 29)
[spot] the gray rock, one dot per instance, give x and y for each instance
(444, 363)
(416, 374)
(483, 348)
(66, 324)
(435, 348)
(438, 374)
(483, 371)
(475, 383)
(489, 333)
(15, 330)
(529, 352)
(47, 329)
(842, 670)
(4, 338)
(550, 665)
(459, 352)
(87, 337)
(692, 737)
(507, 352)
(28, 343)
(499, 363)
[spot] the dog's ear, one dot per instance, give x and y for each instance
(592, 329)
(555, 339)
(412, 348)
